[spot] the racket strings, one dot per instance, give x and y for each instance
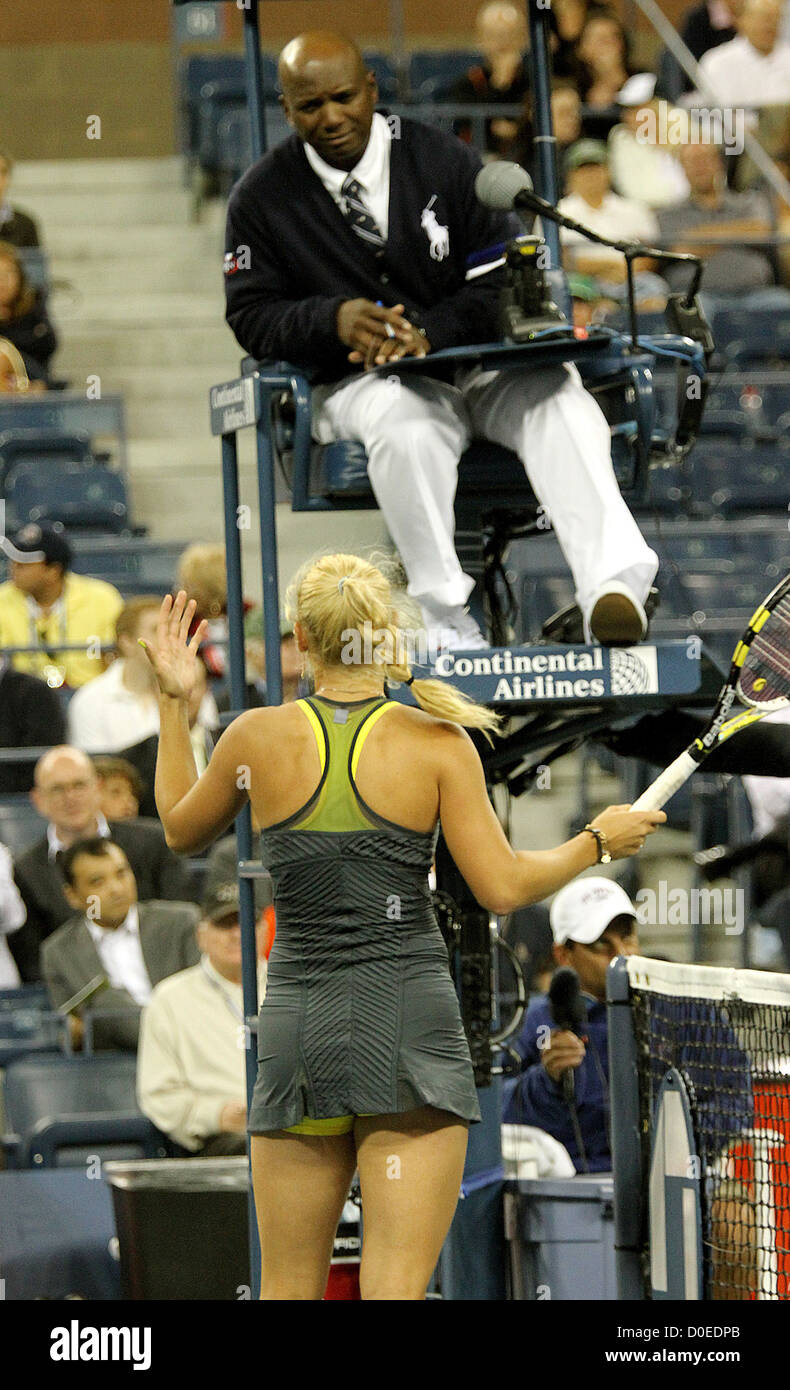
(765, 674)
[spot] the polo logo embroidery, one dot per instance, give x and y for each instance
(438, 235)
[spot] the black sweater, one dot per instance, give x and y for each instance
(303, 259)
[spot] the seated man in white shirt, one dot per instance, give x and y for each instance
(120, 708)
(132, 945)
(752, 70)
(590, 200)
(190, 1063)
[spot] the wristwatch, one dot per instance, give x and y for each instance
(604, 857)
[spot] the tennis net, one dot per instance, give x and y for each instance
(700, 1091)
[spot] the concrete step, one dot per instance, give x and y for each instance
(177, 417)
(176, 271)
(151, 243)
(183, 382)
(155, 310)
(101, 347)
(96, 173)
(117, 207)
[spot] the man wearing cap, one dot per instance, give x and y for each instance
(590, 200)
(642, 167)
(190, 1063)
(592, 920)
(45, 606)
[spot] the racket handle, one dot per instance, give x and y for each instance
(665, 786)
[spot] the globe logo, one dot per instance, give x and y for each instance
(629, 675)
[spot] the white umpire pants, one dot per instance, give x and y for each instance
(414, 430)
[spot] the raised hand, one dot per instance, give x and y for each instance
(174, 658)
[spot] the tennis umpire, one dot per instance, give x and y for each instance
(347, 248)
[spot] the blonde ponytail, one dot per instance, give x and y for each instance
(347, 608)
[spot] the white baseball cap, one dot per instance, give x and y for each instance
(583, 909)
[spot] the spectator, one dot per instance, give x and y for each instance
(502, 77)
(12, 917)
(202, 574)
(603, 50)
(753, 69)
(134, 946)
(14, 379)
(121, 788)
(222, 865)
(704, 27)
(566, 120)
(67, 793)
(291, 663)
(736, 275)
(31, 716)
(642, 168)
(570, 17)
(592, 920)
(16, 228)
(120, 709)
(44, 603)
(589, 305)
(592, 202)
(23, 316)
(190, 1067)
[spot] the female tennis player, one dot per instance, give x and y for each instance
(362, 1058)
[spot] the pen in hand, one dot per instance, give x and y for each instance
(388, 329)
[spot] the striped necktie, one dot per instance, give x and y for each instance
(358, 216)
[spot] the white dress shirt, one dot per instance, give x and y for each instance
(12, 916)
(618, 218)
(121, 955)
(739, 75)
(372, 172)
(105, 717)
(190, 1059)
(54, 842)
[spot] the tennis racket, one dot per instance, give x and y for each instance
(759, 677)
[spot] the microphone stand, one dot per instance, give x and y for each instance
(632, 250)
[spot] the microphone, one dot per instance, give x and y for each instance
(505, 186)
(569, 1012)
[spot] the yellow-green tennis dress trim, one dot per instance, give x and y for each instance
(335, 1124)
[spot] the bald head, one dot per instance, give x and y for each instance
(328, 96)
(303, 55)
(67, 792)
(63, 759)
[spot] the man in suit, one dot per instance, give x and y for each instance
(347, 249)
(67, 793)
(133, 946)
(31, 716)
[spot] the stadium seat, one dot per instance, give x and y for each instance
(20, 823)
(59, 1110)
(79, 495)
(195, 73)
(386, 76)
(42, 447)
(751, 336)
(431, 71)
(26, 1028)
(732, 474)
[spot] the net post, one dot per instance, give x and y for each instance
(626, 1148)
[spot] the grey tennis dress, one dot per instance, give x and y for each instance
(360, 1015)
